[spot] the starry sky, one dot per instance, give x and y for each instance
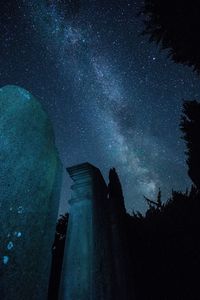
(114, 99)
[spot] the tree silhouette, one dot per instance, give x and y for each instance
(166, 248)
(57, 257)
(165, 240)
(115, 192)
(175, 25)
(190, 126)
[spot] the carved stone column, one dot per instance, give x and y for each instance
(87, 264)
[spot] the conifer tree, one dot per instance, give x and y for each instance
(57, 257)
(190, 126)
(115, 192)
(175, 26)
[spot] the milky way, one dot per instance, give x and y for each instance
(113, 98)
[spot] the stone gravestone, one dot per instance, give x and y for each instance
(30, 175)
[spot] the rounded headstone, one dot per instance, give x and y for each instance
(30, 176)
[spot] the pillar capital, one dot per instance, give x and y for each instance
(83, 176)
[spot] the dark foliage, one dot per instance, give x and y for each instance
(57, 257)
(190, 126)
(165, 246)
(175, 25)
(115, 193)
(165, 243)
(119, 240)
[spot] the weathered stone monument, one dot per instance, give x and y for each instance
(30, 176)
(94, 247)
(87, 270)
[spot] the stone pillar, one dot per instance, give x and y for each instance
(86, 271)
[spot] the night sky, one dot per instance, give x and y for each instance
(114, 99)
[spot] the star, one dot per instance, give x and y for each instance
(113, 98)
